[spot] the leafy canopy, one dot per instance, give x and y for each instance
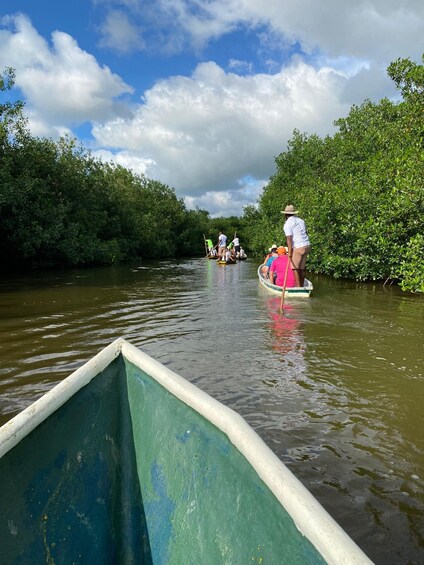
(361, 191)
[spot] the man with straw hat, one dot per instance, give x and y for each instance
(297, 242)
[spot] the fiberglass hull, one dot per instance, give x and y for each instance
(126, 462)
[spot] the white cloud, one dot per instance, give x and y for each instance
(124, 158)
(203, 133)
(119, 33)
(245, 67)
(228, 203)
(375, 30)
(63, 84)
(378, 30)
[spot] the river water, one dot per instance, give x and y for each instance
(335, 386)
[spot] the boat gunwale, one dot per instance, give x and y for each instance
(311, 519)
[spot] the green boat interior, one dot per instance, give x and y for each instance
(124, 472)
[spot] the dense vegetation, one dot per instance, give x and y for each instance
(61, 207)
(361, 191)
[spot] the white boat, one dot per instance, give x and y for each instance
(295, 291)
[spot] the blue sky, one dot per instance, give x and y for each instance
(201, 94)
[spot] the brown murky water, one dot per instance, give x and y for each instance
(335, 386)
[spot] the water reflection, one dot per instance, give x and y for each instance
(287, 331)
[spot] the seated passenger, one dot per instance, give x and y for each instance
(271, 258)
(271, 249)
(228, 256)
(242, 253)
(277, 271)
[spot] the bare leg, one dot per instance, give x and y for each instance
(296, 273)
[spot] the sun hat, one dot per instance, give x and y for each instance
(281, 250)
(289, 210)
(273, 246)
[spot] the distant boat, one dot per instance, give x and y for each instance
(225, 262)
(299, 291)
(125, 461)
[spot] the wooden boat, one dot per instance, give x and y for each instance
(126, 462)
(300, 292)
(224, 262)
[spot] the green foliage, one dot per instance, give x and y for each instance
(360, 191)
(411, 269)
(408, 77)
(12, 122)
(60, 206)
(231, 226)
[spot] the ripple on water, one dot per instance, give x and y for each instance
(333, 386)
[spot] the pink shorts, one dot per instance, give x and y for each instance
(299, 257)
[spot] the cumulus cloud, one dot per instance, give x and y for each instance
(126, 159)
(206, 132)
(226, 202)
(63, 84)
(368, 34)
(120, 33)
(377, 30)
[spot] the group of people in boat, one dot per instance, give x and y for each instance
(228, 253)
(275, 267)
(285, 265)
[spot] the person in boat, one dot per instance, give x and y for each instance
(273, 246)
(211, 248)
(235, 246)
(241, 254)
(229, 256)
(278, 269)
(273, 255)
(297, 242)
(222, 245)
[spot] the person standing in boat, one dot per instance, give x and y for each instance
(278, 269)
(297, 242)
(236, 246)
(222, 245)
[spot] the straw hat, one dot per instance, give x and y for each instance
(273, 246)
(289, 210)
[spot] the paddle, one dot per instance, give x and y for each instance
(283, 292)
